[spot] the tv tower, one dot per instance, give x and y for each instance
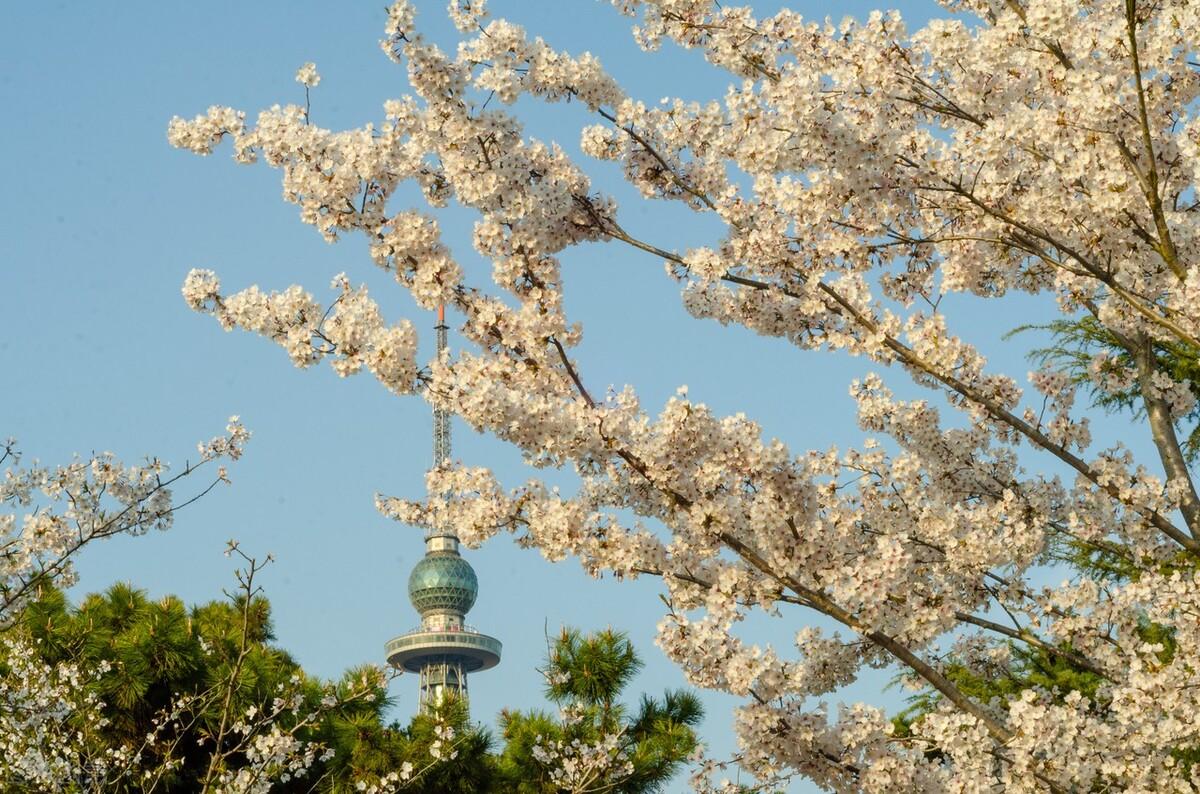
(442, 587)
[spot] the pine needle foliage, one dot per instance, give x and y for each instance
(155, 650)
(1076, 341)
(587, 675)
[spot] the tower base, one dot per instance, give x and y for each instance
(439, 679)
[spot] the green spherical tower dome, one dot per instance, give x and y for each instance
(443, 582)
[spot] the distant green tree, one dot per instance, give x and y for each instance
(367, 750)
(155, 652)
(612, 748)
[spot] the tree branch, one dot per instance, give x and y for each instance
(1162, 429)
(1166, 247)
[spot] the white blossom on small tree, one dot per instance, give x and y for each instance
(48, 719)
(51, 514)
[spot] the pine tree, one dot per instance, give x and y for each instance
(155, 653)
(586, 676)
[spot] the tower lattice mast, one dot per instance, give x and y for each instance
(441, 420)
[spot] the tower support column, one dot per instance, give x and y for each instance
(439, 679)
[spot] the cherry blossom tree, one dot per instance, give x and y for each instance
(860, 171)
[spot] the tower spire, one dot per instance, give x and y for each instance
(442, 587)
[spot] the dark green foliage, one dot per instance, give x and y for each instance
(473, 767)
(156, 651)
(589, 673)
(368, 750)
(661, 738)
(591, 670)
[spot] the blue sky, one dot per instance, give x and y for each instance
(102, 220)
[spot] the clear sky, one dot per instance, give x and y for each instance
(102, 220)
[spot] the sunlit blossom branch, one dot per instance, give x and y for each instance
(906, 355)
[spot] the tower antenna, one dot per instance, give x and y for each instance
(441, 420)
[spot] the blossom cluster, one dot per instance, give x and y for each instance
(578, 765)
(46, 717)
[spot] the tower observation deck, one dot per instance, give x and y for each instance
(442, 588)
